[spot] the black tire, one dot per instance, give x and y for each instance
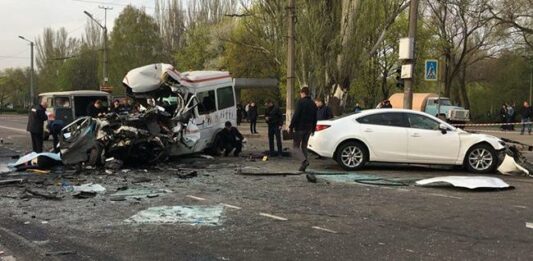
(352, 155)
(481, 159)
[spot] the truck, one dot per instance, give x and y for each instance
(435, 105)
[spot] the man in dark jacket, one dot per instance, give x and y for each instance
(35, 126)
(527, 115)
(303, 122)
(252, 117)
(323, 112)
(274, 119)
(96, 109)
(231, 139)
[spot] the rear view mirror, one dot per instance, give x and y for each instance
(443, 128)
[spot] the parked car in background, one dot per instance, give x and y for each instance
(403, 136)
(70, 105)
(434, 105)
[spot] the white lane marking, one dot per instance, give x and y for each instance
(272, 216)
(230, 206)
(444, 196)
(13, 129)
(197, 198)
(324, 229)
(529, 225)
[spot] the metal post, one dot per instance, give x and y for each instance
(106, 61)
(290, 62)
(530, 85)
(408, 87)
(32, 87)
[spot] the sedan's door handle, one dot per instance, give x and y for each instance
(368, 130)
(416, 135)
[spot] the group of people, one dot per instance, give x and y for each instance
(508, 115)
(302, 126)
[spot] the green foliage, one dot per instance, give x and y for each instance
(134, 42)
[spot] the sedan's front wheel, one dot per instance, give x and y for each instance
(352, 155)
(481, 158)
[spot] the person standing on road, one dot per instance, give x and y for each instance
(323, 112)
(35, 126)
(252, 117)
(527, 115)
(510, 117)
(274, 119)
(232, 139)
(503, 116)
(303, 123)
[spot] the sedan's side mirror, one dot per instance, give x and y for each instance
(443, 128)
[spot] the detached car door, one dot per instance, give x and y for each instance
(386, 135)
(428, 144)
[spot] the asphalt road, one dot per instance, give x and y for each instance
(324, 221)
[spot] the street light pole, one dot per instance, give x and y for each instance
(104, 28)
(32, 87)
(291, 10)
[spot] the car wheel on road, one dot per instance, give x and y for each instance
(481, 158)
(352, 155)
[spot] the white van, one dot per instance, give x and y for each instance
(217, 104)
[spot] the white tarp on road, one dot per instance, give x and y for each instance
(470, 182)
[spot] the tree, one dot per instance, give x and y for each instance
(53, 48)
(135, 41)
(515, 15)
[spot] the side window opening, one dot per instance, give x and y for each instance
(225, 97)
(422, 122)
(207, 102)
(385, 119)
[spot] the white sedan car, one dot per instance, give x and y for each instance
(403, 136)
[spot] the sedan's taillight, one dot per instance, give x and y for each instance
(320, 127)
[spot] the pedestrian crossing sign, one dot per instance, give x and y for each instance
(431, 72)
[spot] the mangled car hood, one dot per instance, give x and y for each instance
(150, 77)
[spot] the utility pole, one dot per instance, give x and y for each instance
(104, 28)
(32, 86)
(291, 16)
(106, 59)
(408, 91)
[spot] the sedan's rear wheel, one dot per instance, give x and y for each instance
(481, 158)
(352, 155)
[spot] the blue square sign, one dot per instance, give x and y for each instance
(431, 70)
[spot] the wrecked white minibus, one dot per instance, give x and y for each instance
(179, 113)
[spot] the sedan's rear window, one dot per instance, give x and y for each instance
(385, 119)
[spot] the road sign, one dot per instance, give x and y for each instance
(431, 72)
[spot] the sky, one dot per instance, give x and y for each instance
(28, 18)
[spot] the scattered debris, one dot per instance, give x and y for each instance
(43, 194)
(470, 182)
(194, 197)
(113, 164)
(263, 172)
(89, 188)
(187, 174)
(141, 180)
(61, 253)
(190, 215)
(515, 162)
(133, 193)
(206, 156)
(11, 181)
(529, 225)
(85, 194)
